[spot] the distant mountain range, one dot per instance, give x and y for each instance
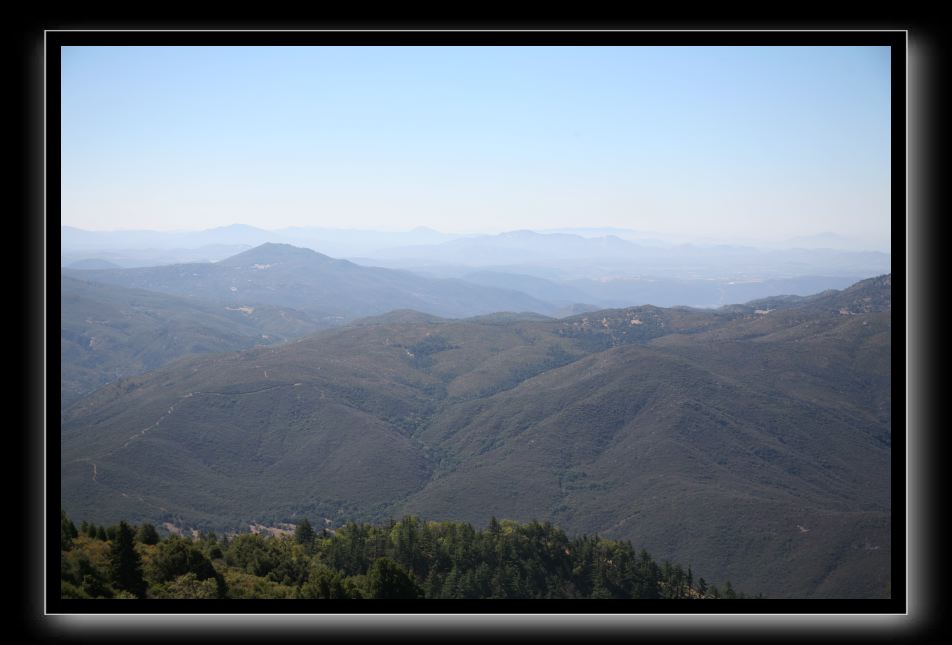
(122, 322)
(600, 257)
(752, 442)
(559, 271)
(133, 248)
(330, 291)
(295, 291)
(586, 252)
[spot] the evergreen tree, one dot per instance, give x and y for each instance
(125, 565)
(177, 556)
(729, 590)
(147, 534)
(599, 588)
(387, 580)
(451, 584)
(95, 587)
(702, 586)
(433, 585)
(67, 531)
(304, 533)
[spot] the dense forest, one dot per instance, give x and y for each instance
(410, 558)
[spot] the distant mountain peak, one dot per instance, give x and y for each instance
(523, 232)
(271, 252)
(237, 227)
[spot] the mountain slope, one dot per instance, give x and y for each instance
(108, 332)
(754, 446)
(695, 459)
(330, 290)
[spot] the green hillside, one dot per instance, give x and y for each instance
(108, 332)
(752, 443)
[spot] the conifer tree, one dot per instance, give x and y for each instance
(147, 534)
(67, 531)
(386, 579)
(125, 565)
(304, 533)
(729, 590)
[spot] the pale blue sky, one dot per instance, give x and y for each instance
(725, 141)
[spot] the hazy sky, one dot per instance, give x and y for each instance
(725, 141)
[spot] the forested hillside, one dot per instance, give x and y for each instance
(411, 559)
(753, 442)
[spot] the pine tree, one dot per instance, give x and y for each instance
(125, 565)
(729, 590)
(304, 533)
(147, 534)
(451, 584)
(387, 580)
(67, 531)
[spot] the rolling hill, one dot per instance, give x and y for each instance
(108, 332)
(751, 442)
(329, 290)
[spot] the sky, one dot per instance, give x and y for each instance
(728, 142)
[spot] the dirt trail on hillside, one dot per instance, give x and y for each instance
(190, 395)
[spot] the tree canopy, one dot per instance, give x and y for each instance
(410, 558)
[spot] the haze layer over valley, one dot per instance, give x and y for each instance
(597, 267)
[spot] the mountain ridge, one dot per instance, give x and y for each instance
(329, 290)
(749, 424)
